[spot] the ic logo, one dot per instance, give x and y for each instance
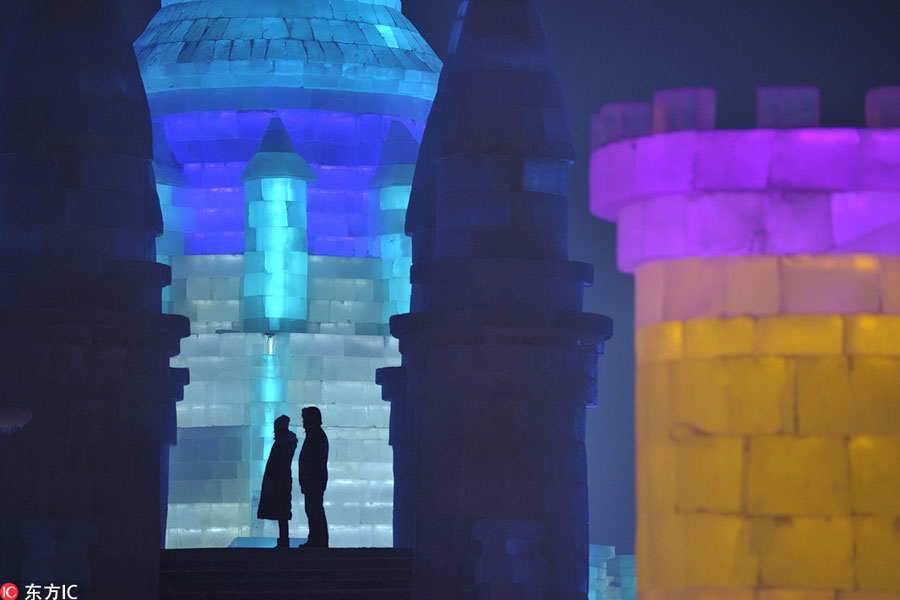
(9, 592)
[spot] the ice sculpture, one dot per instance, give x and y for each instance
(275, 258)
(351, 83)
(499, 362)
(85, 346)
(767, 267)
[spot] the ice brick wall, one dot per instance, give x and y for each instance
(225, 433)
(768, 408)
(343, 78)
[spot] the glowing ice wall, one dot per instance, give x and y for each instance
(270, 334)
(767, 266)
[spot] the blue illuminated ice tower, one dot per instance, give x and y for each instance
(285, 132)
(499, 363)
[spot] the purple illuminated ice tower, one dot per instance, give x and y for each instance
(767, 272)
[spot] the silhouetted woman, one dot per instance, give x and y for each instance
(275, 497)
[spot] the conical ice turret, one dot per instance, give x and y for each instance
(420, 215)
(275, 258)
(499, 362)
(85, 350)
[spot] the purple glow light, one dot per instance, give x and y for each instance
(734, 193)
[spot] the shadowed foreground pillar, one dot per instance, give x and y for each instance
(767, 267)
(84, 346)
(499, 361)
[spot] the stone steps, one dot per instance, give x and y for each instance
(267, 573)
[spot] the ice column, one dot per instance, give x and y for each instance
(499, 362)
(83, 344)
(767, 269)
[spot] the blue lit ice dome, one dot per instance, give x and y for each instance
(290, 280)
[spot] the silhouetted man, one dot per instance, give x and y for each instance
(313, 476)
(275, 496)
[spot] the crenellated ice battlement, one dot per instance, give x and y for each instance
(680, 188)
(694, 109)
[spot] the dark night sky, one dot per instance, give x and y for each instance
(613, 50)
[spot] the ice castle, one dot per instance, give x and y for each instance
(285, 138)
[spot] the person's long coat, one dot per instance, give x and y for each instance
(275, 497)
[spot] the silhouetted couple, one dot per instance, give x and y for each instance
(312, 473)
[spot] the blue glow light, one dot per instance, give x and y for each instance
(275, 259)
(214, 158)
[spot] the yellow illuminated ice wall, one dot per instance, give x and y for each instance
(767, 272)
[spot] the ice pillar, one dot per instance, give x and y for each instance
(419, 226)
(84, 346)
(767, 268)
(499, 362)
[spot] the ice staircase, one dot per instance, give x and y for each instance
(270, 574)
